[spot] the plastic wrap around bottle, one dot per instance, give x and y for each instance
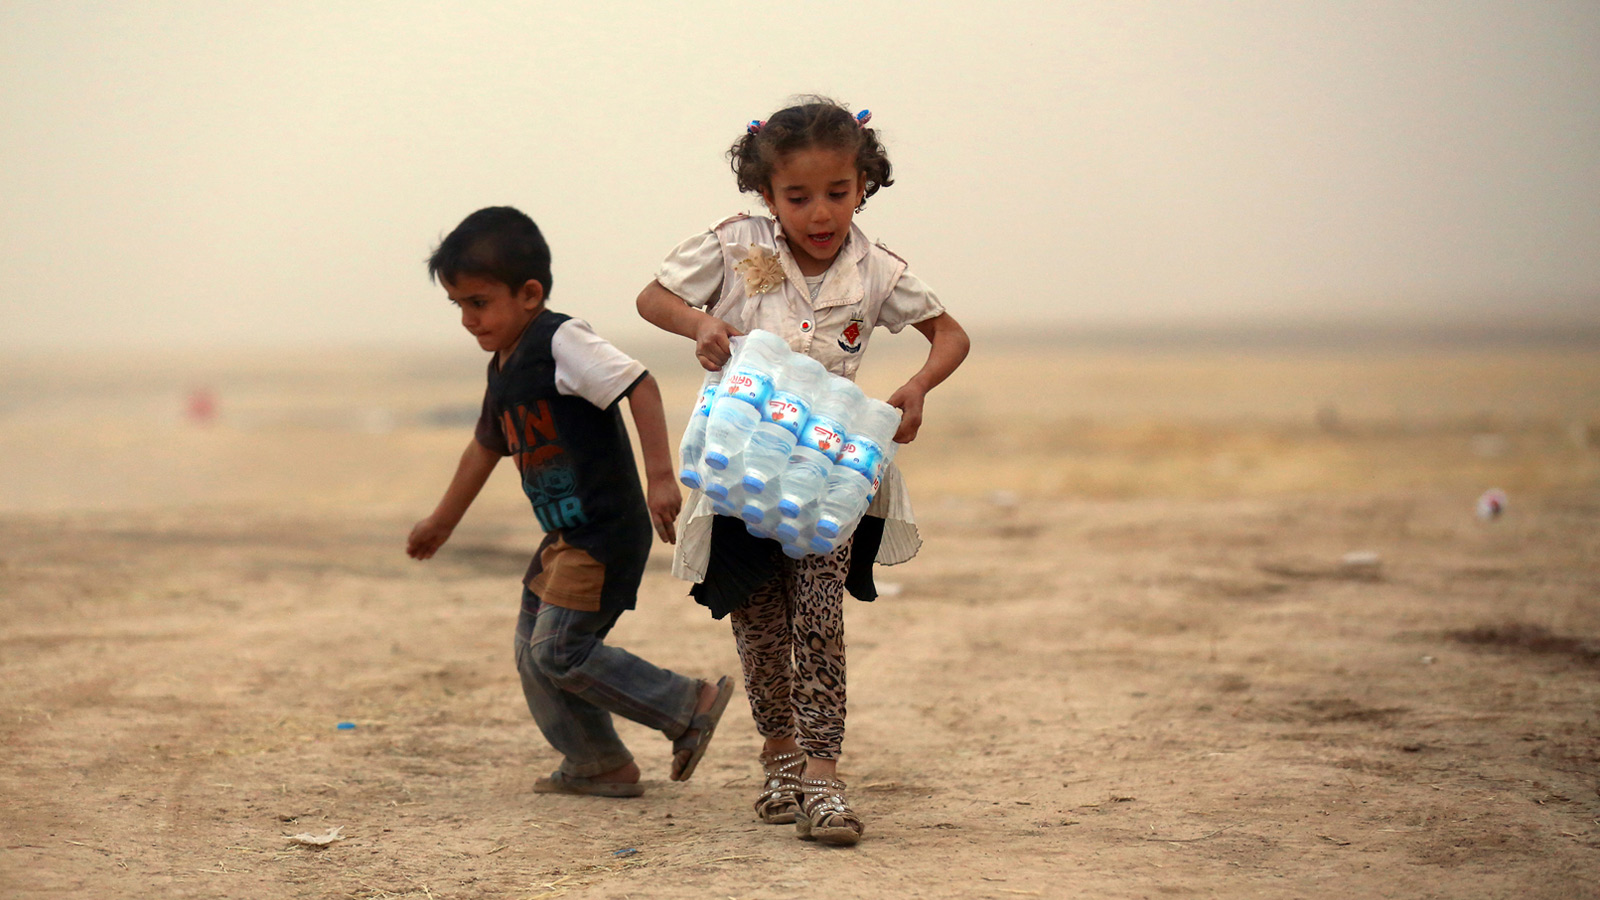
(785, 413)
(691, 451)
(805, 481)
(762, 526)
(742, 395)
(762, 507)
(868, 448)
(816, 542)
(796, 544)
(793, 451)
(726, 490)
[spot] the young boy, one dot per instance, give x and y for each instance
(554, 389)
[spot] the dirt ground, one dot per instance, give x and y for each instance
(1134, 658)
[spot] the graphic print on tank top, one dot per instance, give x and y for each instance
(548, 477)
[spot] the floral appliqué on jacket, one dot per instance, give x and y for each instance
(761, 271)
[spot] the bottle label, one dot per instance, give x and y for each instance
(787, 410)
(862, 455)
(750, 385)
(876, 483)
(877, 479)
(824, 436)
(703, 408)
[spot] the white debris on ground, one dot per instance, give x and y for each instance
(307, 839)
(1491, 504)
(1360, 560)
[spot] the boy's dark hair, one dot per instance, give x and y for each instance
(815, 122)
(497, 242)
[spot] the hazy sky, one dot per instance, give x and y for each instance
(215, 173)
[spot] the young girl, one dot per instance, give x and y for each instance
(809, 275)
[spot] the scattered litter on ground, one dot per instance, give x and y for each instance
(1491, 504)
(307, 839)
(1361, 560)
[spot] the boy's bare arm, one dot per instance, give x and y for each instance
(669, 312)
(661, 490)
(428, 535)
(948, 346)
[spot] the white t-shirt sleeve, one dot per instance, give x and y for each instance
(693, 270)
(909, 303)
(589, 366)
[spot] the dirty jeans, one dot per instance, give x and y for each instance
(573, 682)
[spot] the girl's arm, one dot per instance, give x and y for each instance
(669, 312)
(427, 536)
(661, 494)
(948, 346)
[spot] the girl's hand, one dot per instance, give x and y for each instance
(664, 500)
(711, 346)
(427, 536)
(909, 401)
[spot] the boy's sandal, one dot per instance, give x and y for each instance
(560, 782)
(824, 815)
(780, 798)
(688, 749)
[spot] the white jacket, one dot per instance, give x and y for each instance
(866, 287)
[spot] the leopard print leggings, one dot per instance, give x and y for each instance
(791, 645)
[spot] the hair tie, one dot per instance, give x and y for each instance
(755, 126)
(863, 117)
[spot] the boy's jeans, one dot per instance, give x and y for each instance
(574, 682)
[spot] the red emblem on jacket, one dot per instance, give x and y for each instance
(850, 338)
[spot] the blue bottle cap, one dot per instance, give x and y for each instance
(828, 528)
(788, 533)
(821, 545)
(754, 485)
(717, 491)
(690, 479)
(753, 513)
(789, 508)
(794, 552)
(716, 460)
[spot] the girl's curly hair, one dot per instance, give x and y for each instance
(815, 122)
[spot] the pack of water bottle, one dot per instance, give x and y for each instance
(796, 452)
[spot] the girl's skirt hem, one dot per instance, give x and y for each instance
(740, 563)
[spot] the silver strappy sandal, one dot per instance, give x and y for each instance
(780, 796)
(824, 815)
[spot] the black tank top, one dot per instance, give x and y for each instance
(576, 462)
